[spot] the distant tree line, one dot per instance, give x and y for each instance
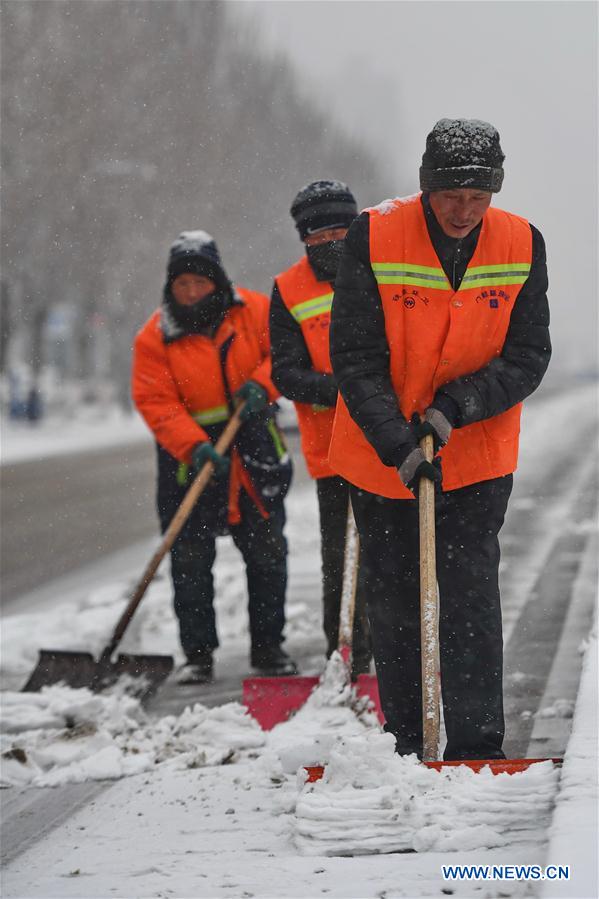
(124, 123)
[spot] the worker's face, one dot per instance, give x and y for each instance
(326, 236)
(460, 210)
(189, 289)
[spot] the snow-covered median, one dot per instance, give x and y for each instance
(574, 831)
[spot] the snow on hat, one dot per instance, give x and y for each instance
(195, 251)
(462, 153)
(323, 204)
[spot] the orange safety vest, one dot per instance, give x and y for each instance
(309, 302)
(436, 334)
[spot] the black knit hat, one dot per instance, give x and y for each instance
(462, 153)
(323, 204)
(196, 251)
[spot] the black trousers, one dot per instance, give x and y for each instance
(264, 549)
(333, 502)
(467, 549)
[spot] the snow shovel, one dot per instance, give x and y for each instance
(429, 638)
(80, 669)
(272, 700)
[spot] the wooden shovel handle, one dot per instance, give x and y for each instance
(429, 611)
(351, 559)
(198, 485)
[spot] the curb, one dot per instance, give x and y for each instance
(573, 835)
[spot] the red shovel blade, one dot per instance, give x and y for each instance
(497, 766)
(272, 700)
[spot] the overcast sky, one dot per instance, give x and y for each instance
(390, 70)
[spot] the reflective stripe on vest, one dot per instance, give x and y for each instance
(310, 308)
(406, 273)
(424, 276)
(495, 275)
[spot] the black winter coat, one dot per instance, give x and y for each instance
(292, 371)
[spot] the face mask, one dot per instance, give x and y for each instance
(202, 314)
(325, 258)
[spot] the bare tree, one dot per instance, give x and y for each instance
(126, 122)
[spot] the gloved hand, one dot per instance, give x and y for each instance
(436, 424)
(205, 452)
(255, 396)
(415, 466)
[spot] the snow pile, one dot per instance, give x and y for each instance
(372, 801)
(333, 709)
(68, 736)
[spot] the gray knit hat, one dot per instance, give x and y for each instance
(195, 251)
(462, 153)
(323, 204)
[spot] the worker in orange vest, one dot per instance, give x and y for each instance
(439, 325)
(201, 353)
(301, 369)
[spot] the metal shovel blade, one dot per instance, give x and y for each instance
(144, 673)
(74, 669)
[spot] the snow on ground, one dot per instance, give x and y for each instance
(70, 736)
(206, 805)
(91, 429)
(249, 828)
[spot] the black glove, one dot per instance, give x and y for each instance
(440, 419)
(205, 452)
(255, 396)
(435, 424)
(415, 466)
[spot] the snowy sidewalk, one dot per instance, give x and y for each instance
(24, 441)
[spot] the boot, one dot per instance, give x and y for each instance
(272, 661)
(198, 670)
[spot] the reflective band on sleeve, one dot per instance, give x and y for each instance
(211, 416)
(182, 472)
(310, 308)
(407, 273)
